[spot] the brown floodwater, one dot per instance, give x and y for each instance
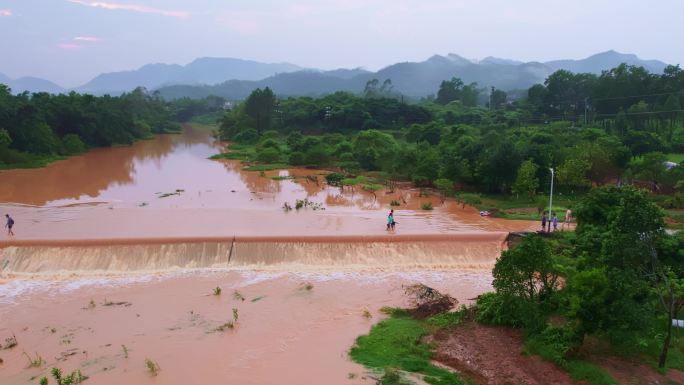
(285, 334)
(119, 193)
(97, 227)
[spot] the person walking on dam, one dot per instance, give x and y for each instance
(9, 225)
(390, 220)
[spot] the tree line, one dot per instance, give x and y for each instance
(505, 147)
(36, 128)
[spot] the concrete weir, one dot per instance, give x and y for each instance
(477, 250)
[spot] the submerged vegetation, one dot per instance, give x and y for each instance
(152, 367)
(623, 125)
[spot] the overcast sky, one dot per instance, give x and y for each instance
(71, 41)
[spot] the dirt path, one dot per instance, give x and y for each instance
(634, 373)
(492, 356)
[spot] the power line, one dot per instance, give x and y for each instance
(580, 99)
(643, 113)
(636, 96)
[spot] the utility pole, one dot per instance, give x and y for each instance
(491, 93)
(550, 200)
(586, 108)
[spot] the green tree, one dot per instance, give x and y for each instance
(498, 98)
(5, 139)
(573, 173)
(445, 187)
(650, 167)
(527, 271)
(449, 90)
(374, 150)
(526, 181)
(259, 106)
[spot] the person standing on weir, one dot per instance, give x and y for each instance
(9, 225)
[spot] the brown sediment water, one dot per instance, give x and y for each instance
(122, 192)
(100, 227)
(285, 334)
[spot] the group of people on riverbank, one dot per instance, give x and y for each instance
(546, 221)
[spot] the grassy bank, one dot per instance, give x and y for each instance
(394, 348)
(511, 207)
(32, 161)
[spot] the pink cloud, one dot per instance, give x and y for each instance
(69, 47)
(89, 39)
(5, 12)
(131, 7)
(244, 22)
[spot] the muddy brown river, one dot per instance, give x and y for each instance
(123, 246)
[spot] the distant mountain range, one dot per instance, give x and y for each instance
(415, 79)
(236, 78)
(30, 84)
(200, 71)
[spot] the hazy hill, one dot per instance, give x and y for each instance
(200, 71)
(416, 79)
(605, 60)
(30, 84)
(236, 78)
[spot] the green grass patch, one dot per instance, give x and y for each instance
(230, 156)
(209, 119)
(447, 320)
(266, 167)
(397, 343)
(245, 153)
(520, 208)
(590, 373)
(552, 347)
(675, 157)
(33, 161)
(281, 177)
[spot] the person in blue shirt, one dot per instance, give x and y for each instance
(390, 220)
(9, 225)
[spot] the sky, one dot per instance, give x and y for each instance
(71, 41)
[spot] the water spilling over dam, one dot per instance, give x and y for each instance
(405, 252)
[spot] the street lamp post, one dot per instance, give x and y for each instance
(550, 200)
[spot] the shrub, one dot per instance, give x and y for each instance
(72, 378)
(552, 344)
(152, 367)
(506, 310)
(238, 296)
(248, 136)
(334, 179)
(72, 144)
(426, 206)
(297, 158)
(268, 155)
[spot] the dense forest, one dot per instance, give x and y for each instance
(38, 128)
(615, 127)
